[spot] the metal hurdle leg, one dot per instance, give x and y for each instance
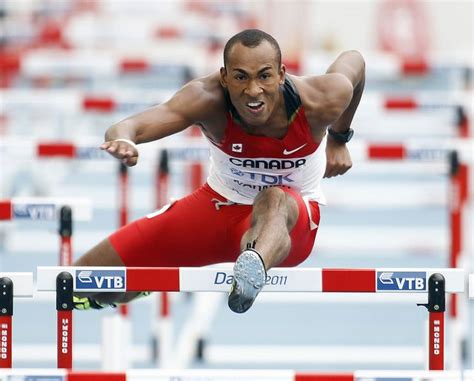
(115, 353)
(64, 306)
(436, 307)
(65, 233)
(6, 314)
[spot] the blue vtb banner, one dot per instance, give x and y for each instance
(96, 280)
(34, 211)
(401, 281)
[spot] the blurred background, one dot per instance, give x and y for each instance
(71, 68)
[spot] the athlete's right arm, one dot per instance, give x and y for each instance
(188, 106)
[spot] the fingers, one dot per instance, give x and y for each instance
(121, 150)
(130, 161)
(336, 169)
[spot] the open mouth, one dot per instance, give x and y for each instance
(255, 107)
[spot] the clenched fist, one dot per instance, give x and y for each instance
(337, 157)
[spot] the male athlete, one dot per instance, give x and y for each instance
(273, 137)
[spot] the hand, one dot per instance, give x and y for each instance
(121, 150)
(337, 157)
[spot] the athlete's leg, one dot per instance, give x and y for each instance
(104, 254)
(274, 214)
(266, 244)
(189, 232)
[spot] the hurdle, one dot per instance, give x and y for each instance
(450, 112)
(433, 282)
(390, 66)
(79, 64)
(50, 209)
(76, 102)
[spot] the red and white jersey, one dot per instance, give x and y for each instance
(242, 165)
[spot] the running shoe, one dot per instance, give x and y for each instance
(249, 279)
(87, 303)
(84, 303)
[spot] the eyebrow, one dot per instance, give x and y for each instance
(260, 71)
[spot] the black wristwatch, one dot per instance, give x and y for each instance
(341, 137)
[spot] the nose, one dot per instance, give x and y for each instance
(253, 89)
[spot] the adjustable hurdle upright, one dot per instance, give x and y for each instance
(433, 283)
(12, 284)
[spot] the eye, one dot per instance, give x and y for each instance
(239, 77)
(265, 75)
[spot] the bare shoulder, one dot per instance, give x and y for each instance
(200, 99)
(324, 97)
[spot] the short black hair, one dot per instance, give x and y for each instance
(252, 38)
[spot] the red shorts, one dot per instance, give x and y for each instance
(193, 232)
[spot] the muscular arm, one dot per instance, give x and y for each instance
(331, 101)
(352, 66)
(194, 103)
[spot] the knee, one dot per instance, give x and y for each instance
(276, 200)
(273, 195)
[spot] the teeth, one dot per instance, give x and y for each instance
(254, 104)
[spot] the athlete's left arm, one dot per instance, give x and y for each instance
(351, 65)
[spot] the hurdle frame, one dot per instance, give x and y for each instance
(435, 283)
(12, 284)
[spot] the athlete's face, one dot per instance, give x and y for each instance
(253, 77)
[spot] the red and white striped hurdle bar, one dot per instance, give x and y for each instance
(44, 208)
(411, 104)
(81, 64)
(390, 66)
(236, 375)
(11, 285)
(76, 102)
(219, 279)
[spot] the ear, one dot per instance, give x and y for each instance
(282, 74)
(223, 79)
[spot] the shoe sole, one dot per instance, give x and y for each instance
(249, 279)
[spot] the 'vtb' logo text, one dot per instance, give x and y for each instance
(100, 280)
(401, 281)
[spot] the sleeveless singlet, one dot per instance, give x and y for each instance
(242, 165)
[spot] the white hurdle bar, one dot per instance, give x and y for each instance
(235, 375)
(19, 284)
(77, 102)
(219, 279)
(435, 282)
(44, 208)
